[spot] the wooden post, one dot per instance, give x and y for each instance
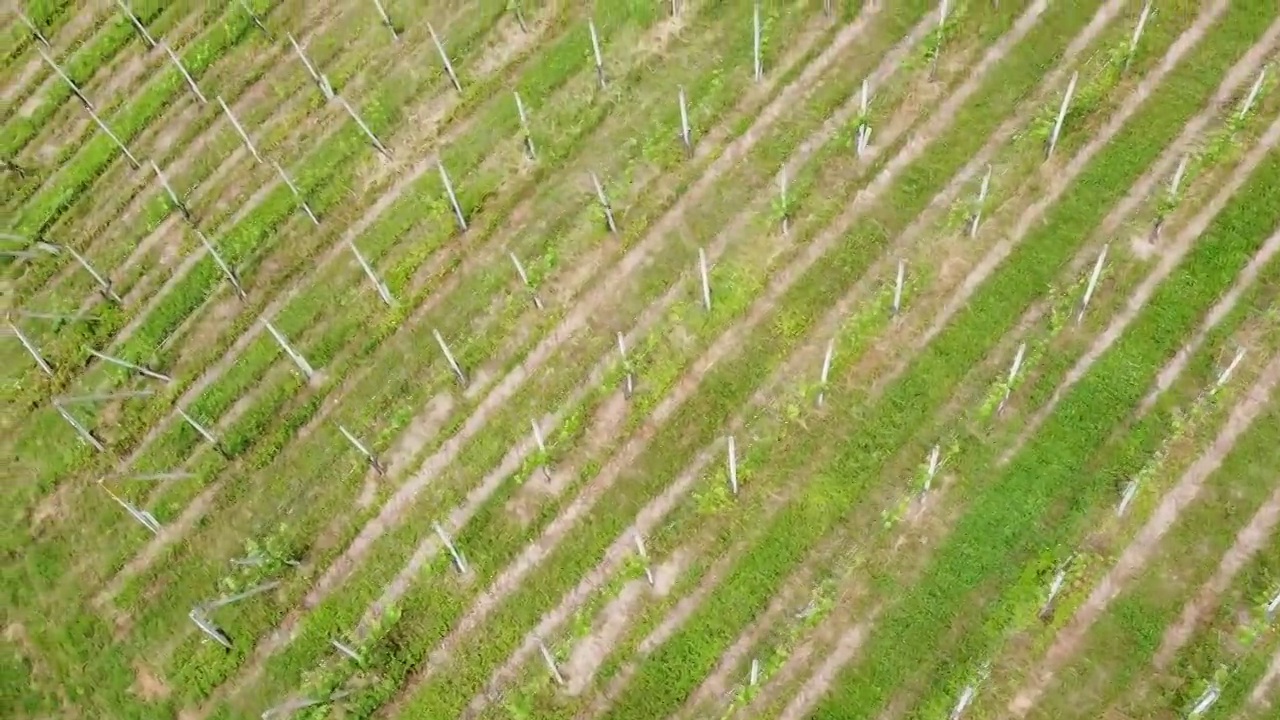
(684, 124)
(80, 429)
(301, 362)
(982, 198)
(1130, 490)
(296, 194)
(1013, 374)
(897, 287)
(182, 69)
(386, 19)
(826, 370)
(755, 45)
(551, 662)
(254, 17)
(453, 199)
(130, 366)
(706, 279)
(1225, 375)
(604, 203)
(67, 79)
(524, 277)
(444, 58)
(34, 30)
(595, 48)
(360, 121)
(542, 448)
(114, 138)
(1093, 283)
(383, 291)
(31, 348)
(1137, 33)
(368, 454)
(524, 126)
(102, 282)
(222, 264)
(629, 387)
(142, 30)
(733, 466)
(1062, 113)
(458, 561)
(1253, 94)
(173, 196)
(244, 136)
(457, 369)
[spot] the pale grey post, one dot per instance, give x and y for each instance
(1055, 587)
(604, 202)
(755, 29)
(67, 79)
(79, 428)
(256, 590)
(444, 58)
(222, 264)
(782, 197)
(684, 124)
(144, 518)
(34, 30)
(53, 316)
(897, 287)
(386, 19)
(345, 649)
(595, 48)
(101, 397)
(675, 7)
(182, 69)
(208, 628)
(733, 466)
(827, 8)
(254, 17)
(629, 386)
(173, 196)
(360, 121)
(1206, 701)
(1093, 283)
(1130, 491)
(519, 13)
(550, 660)
(754, 678)
(542, 448)
(1137, 33)
(296, 194)
(1225, 375)
(1062, 113)
(19, 254)
(114, 138)
(826, 370)
(457, 369)
(368, 455)
(524, 277)
(458, 561)
(298, 360)
(31, 348)
(157, 477)
(644, 556)
(102, 282)
(982, 199)
(130, 366)
(1013, 375)
(453, 199)
(966, 697)
(1273, 606)
(244, 136)
(524, 125)
(204, 432)
(383, 291)
(934, 457)
(1253, 94)
(706, 279)
(864, 124)
(142, 30)
(311, 69)
(942, 29)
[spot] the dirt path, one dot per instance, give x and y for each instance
(1144, 545)
(1248, 542)
(1174, 368)
(1260, 696)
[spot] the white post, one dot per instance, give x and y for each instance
(368, 454)
(142, 30)
(360, 121)
(129, 366)
(311, 69)
(101, 397)
(444, 58)
(204, 432)
(1273, 606)
(684, 123)
(604, 202)
(755, 30)
(782, 198)
(826, 370)
(345, 649)
(453, 551)
(457, 369)
(966, 697)
(158, 477)
(383, 291)
(67, 79)
(551, 662)
(453, 199)
(1253, 94)
(629, 387)
(1062, 113)
(942, 29)
(1093, 283)
(173, 196)
(31, 348)
(386, 19)
(256, 590)
(706, 279)
(34, 30)
(1225, 375)
(935, 456)
(1054, 588)
(982, 198)
(102, 282)
(80, 429)
(1130, 490)
(222, 264)
(244, 136)
(298, 360)
(733, 466)
(254, 17)
(755, 672)
(182, 69)
(114, 138)
(644, 555)
(542, 447)
(524, 278)
(864, 124)
(143, 517)
(288, 181)
(897, 287)
(1013, 374)
(595, 48)
(524, 126)
(1137, 33)
(209, 628)
(1206, 701)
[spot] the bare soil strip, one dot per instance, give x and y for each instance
(1260, 696)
